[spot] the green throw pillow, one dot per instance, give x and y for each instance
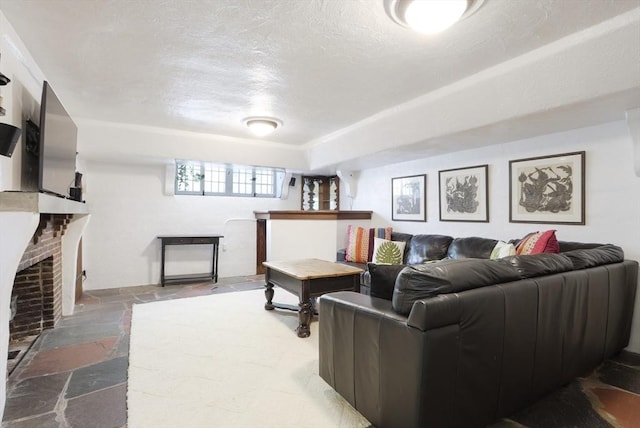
(388, 252)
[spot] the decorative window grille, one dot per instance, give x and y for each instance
(264, 181)
(205, 178)
(242, 180)
(188, 178)
(215, 179)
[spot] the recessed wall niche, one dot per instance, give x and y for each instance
(320, 193)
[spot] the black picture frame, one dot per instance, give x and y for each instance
(548, 189)
(464, 194)
(409, 198)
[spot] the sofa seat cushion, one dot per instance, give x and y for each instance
(447, 276)
(471, 247)
(423, 248)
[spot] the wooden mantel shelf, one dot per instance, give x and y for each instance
(35, 202)
(313, 215)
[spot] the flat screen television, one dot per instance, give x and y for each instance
(58, 143)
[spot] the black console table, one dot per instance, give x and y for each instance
(213, 240)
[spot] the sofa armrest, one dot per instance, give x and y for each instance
(373, 359)
(341, 255)
(374, 306)
(435, 312)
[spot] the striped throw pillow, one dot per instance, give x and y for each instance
(360, 242)
(538, 242)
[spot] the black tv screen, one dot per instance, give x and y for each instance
(58, 141)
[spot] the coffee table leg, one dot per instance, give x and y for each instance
(304, 317)
(268, 294)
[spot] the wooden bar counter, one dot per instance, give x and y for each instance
(297, 234)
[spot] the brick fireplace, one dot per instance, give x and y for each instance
(34, 251)
(37, 289)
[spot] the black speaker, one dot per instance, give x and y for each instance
(292, 182)
(75, 193)
(9, 136)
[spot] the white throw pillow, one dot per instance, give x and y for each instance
(503, 249)
(387, 252)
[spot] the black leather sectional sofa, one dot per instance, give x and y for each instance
(464, 341)
(420, 249)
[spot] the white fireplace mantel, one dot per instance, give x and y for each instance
(32, 202)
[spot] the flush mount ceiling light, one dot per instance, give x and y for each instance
(261, 126)
(430, 16)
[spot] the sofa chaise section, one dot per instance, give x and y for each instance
(469, 357)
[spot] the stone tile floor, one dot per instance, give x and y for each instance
(76, 374)
(607, 397)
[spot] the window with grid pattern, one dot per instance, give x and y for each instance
(242, 180)
(205, 178)
(264, 181)
(215, 178)
(188, 178)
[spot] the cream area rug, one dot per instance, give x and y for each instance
(223, 361)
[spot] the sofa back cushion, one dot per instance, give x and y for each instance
(423, 248)
(602, 255)
(532, 265)
(382, 279)
(570, 245)
(471, 247)
(404, 237)
(447, 276)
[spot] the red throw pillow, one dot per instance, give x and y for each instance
(539, 242)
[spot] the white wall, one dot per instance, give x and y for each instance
(129, 209)
(302, 239)
(612, 192)
(20, 98)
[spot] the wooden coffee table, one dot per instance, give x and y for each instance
(308, 278)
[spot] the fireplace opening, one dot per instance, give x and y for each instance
(36, 296)
(33, 290)
(33, 301)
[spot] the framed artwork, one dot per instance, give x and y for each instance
(409, 198)
(547, 189)
(464, 194)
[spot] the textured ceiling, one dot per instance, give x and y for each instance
(318, 65)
